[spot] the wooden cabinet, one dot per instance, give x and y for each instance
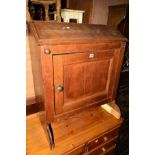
(96, 11)
(76, 67)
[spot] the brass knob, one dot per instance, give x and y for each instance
(96, 141)
(47, 51)
(59, 88)
(103, 149)
(105, 138)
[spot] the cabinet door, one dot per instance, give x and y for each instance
(82, 79)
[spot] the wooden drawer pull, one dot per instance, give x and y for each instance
(96, 141)
(105, 138)
(103, 149)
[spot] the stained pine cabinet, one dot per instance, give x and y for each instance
(75, 67)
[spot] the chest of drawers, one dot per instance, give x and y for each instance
(75, 67)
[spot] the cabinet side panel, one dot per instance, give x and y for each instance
(43, 77)
(120, 57)
(29, 77)
(37, 72)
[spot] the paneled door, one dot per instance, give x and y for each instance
(83, 79)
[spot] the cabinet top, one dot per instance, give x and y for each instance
(47, 32)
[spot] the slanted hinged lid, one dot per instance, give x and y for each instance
(65, 33)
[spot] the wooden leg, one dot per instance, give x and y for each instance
(46, 7)
(51, 136)
(58, 10)
(79, 20)
(41, 14)
(66, 20)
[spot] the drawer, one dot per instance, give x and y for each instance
(76, 151)
(111, 151)
(102, 139)
(106, 149)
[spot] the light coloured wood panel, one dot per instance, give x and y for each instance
(69, 133)
(28, 18)
(29, 77)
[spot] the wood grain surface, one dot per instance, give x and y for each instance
(56, 33)
(83, 59)
(70, 133)
(29, 77)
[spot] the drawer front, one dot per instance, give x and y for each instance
(102, 139)
(77, 151)
(106, 149)
(111, 151)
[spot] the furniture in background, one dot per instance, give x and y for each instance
(68, 14)
(96, 11)
(76, 69)
(45, 4)
(85, 5)
(28, 17)
(116, 14)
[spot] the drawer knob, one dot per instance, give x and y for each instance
(47, 51)
(96, 141)
(59, 88)
(105, 139)
(103, 149)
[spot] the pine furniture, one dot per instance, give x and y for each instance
(76, 69)
(46, 4)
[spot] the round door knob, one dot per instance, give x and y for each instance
(47, 51)
(59, 88)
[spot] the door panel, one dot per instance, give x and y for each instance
(96, 76)
(74, 78)
(85, 78)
